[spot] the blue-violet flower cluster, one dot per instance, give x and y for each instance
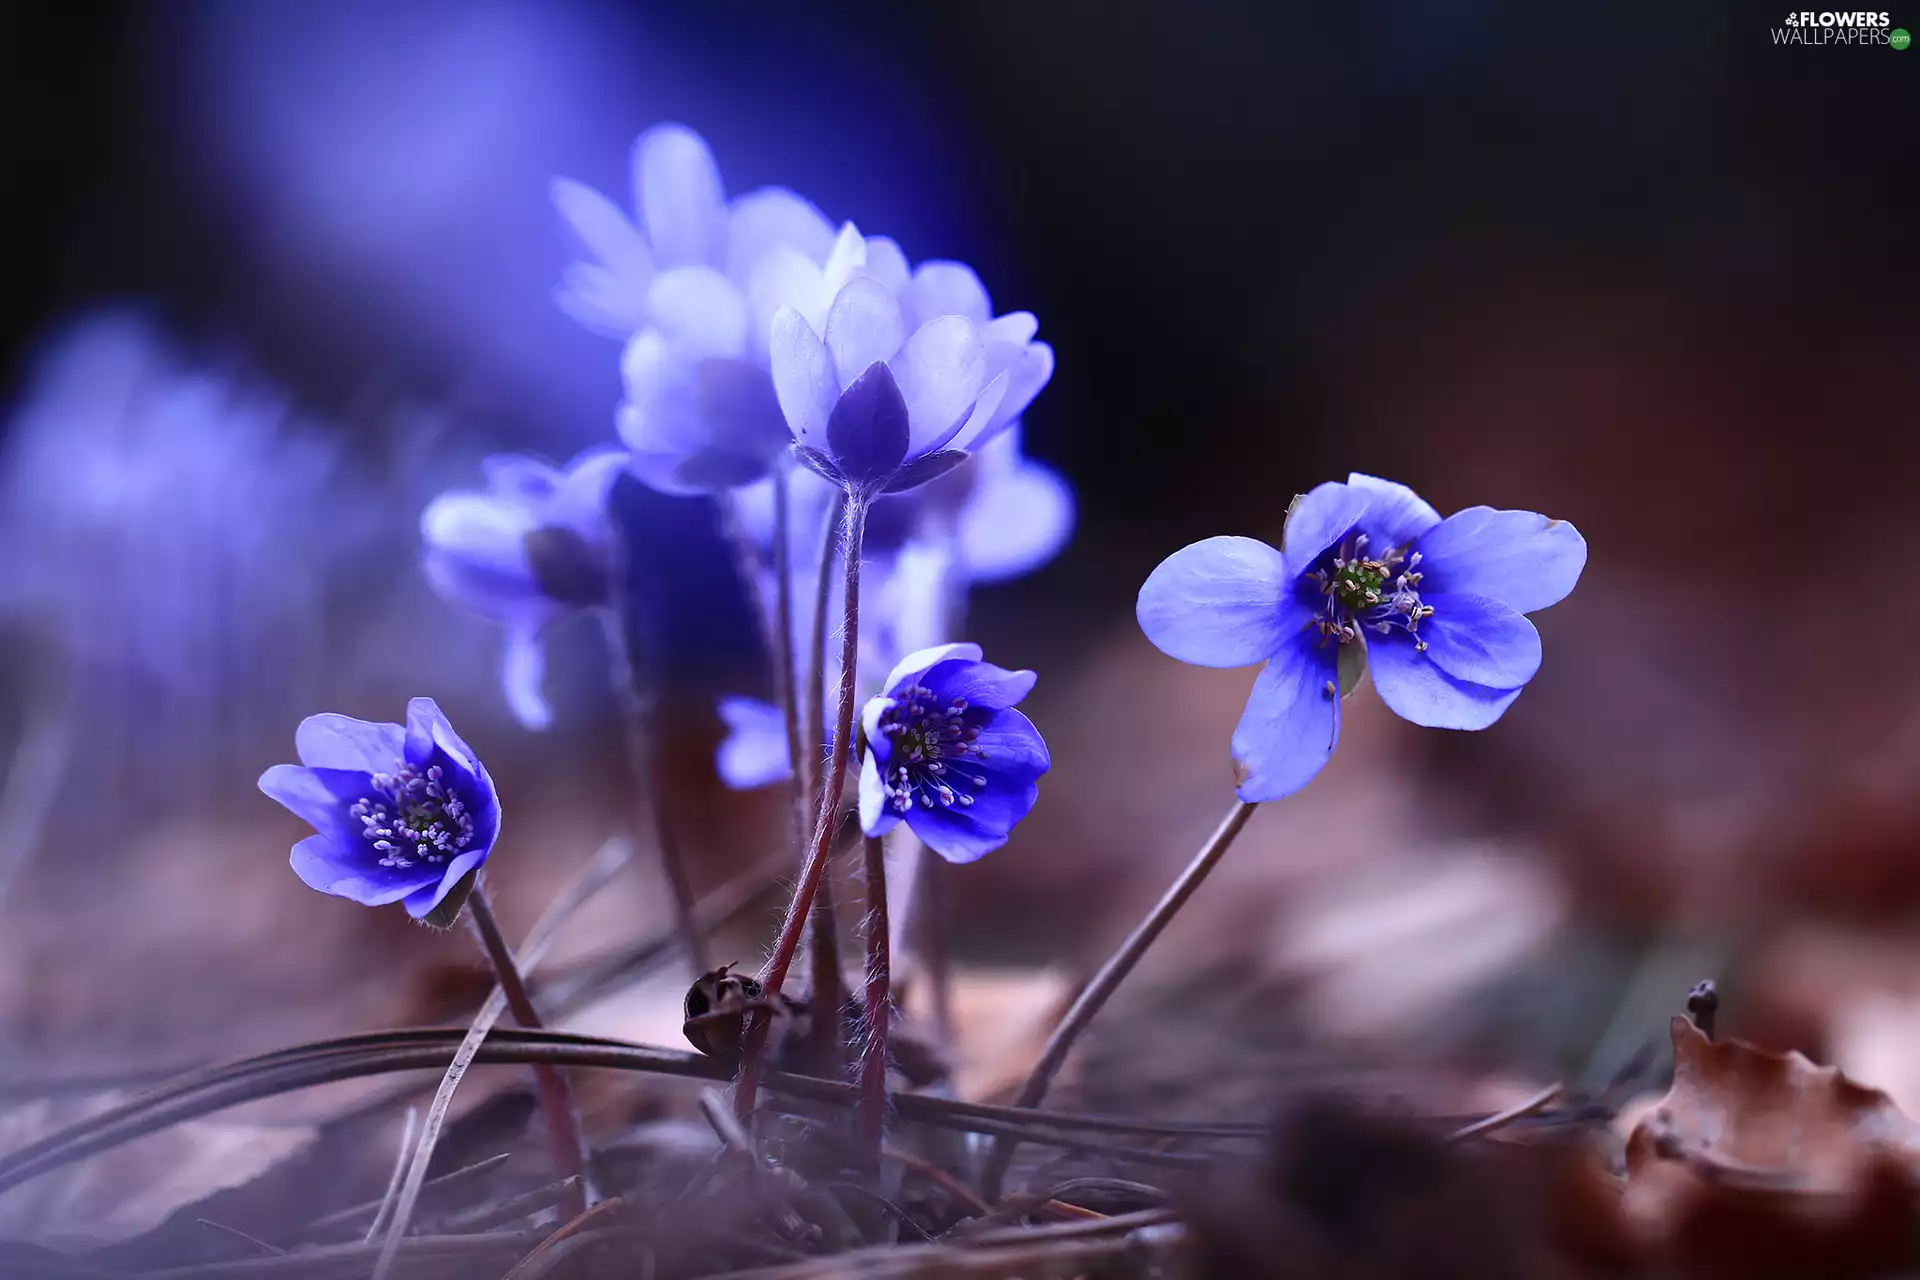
(401, 814)
(1370, 577)
(947, 753)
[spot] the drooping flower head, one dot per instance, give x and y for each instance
(533, 549)
(947, 753)
(400, 814)
(904, 377)
(1371, 578)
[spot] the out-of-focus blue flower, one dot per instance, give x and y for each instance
(912, 373)
(948, 754)
(1016, 513)
(533, 549)
(400, 814)
(693, 287)
(1371, 576)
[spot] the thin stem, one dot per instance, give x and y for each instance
(828, 990)
(563, 1122)
(786, 681)
(638, 705)
(814, 869)
(878, 1010)
(1108, 979)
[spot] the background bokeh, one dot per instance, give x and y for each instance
(281, 272)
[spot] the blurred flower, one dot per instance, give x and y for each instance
(534, 549)
(1444, 600)
(692, 289)
(947, 752)
(1015, 516)
(401, 814)
(911, 374)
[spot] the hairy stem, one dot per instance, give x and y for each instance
(828, 993)
(1108, 979)
(638, 707)
(814, 869)
(877, 1011)
(563, 1122)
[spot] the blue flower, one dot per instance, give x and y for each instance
(912, 373)
(534, 549)
(1371, 577)
(947, 752)
(1016, 514)
(401, 814)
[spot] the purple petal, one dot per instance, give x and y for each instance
(941, 369)
(1014, 523)
(428, 728)
(519, 478)
(877, 816)
(947, 289)
(954, 833)
(739, 410)
(924, 470)
(981, 684)
(348, 872)
(802, 378)
(864, 328)
(580, 503)
(784, 277)
(1415, 688)
(484, 531)
(1222, 602)
(601, 300)
(1519, 557)
(604, 230)
(770, 218)
(318, 797)
(978, 427)
(1016, 328)
(847, 259)
(1396, 515)
(422, 903)
(1480, 640)
(330, 741)
(1026, 378)
(523, 670)
(1012, 747)
(887, 264)
(1321, 518)
(680, 197)
(699, 311)
(754, 752)
(867, 431)
(917, 662)
(1288, 731)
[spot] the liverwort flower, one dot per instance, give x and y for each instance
(904, 377)
(534, 549)
(948, 754)
(401, 814)
(1370, 577)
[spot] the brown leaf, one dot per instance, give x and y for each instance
(1763, 1164)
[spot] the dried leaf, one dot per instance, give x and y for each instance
(1763, 1164)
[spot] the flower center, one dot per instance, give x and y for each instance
(412, 816)
(1379, 592)
(931, 746)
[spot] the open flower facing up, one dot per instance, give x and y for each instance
(948, 754)
(533, 549)
(401, 814)
(1370, 578)
(903, 378)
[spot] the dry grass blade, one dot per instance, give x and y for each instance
(600, 869)
(391, 1197)
(1501, 1119)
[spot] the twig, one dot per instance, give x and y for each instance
(255, 1241)
(1501, 1119)
(567, 1240)
(599, 870)
(1108, 979)
(775, 973)
(391, 1196)
(343, 1217)
(525, 1205)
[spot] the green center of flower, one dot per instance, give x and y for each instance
(1356, 584)
(1377, 592)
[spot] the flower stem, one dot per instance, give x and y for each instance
(879, 1007)
(786, 680)
(1108, 979)
(563, 1122)
(828, 995)
(643, 762)
(814, 869)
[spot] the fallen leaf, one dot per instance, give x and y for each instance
(1759, 1164)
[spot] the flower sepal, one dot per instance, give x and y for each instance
(447, 914)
